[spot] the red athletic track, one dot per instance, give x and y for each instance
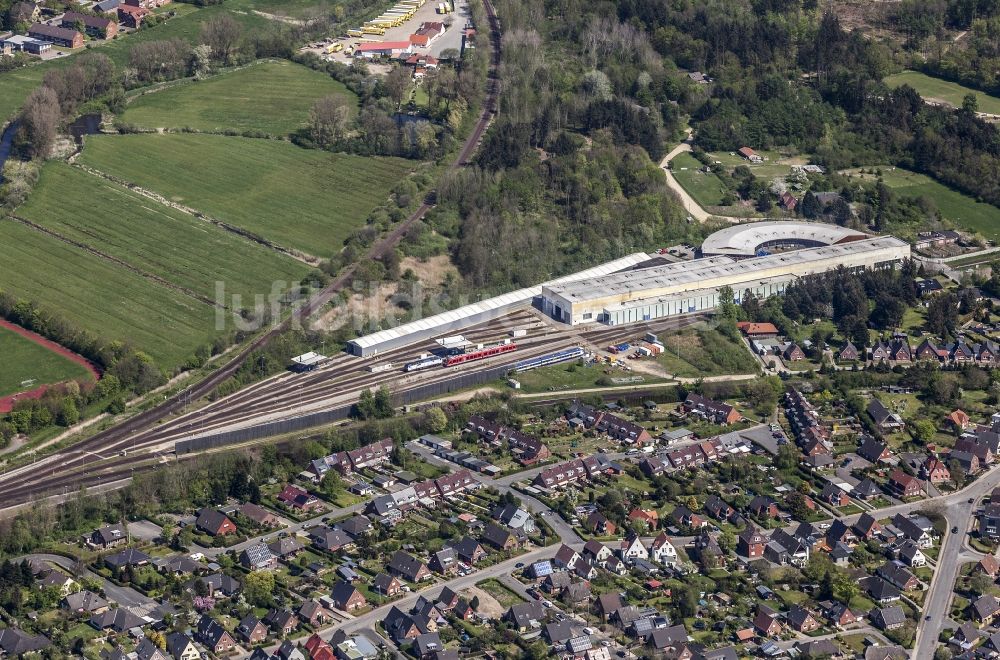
(7, 402)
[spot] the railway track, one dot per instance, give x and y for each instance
(113, 438)
(90, 468)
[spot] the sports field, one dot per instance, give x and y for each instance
(272, 97)
(304, 199)
(26, 365)
(101, 297)
(154, 238)
(962, 210)
(706, 188)
(943, 90)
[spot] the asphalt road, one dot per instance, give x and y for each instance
(124, 596)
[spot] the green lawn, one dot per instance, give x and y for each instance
(272, 97)
(103, 298)
(961, 210)
(17, 84)
(704, 352)
(154, 238)
(574, 376)
(24, 360)
(304, 199)
(706, 188)
(943, 90)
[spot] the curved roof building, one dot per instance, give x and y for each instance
(756, 239)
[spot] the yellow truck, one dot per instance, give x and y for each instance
(373, 29)
(335, 48)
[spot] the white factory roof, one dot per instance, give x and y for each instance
(308, 359)
(695, 272)
(694, 293)
(501, 302)
(743, 240)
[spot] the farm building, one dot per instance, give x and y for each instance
(693, 286)
(751, 155)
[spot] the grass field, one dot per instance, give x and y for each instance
(309, 200)
(943, 90)
(704, 351)
(272, 97)
(17, 84)
(106, 299)
(706, 188)
(963, 211)
(152, 237)
(24, 360)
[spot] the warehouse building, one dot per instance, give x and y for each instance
(758, 239)
(474, 314)
(693, 286)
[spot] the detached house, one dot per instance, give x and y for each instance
(904, 485)
(408, 567)
(214, 636)
(751, 543)
(885, 419)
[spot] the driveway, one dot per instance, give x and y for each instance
(124, 596)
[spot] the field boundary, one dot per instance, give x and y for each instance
(7, 402)
(118, 262)
(308, 259)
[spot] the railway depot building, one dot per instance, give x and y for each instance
(693, 286)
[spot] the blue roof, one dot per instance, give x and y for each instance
(107, 5)
(542, 568)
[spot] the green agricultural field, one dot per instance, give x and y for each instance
(272, 97)
(101, 297)
(154, 238)
(706, 188)
(943, 90)
(963, 211)
(309, 200)
(15, 85)
(24, 360)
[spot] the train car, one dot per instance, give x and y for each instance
(424, 363)
(552, 358)
(480, 354)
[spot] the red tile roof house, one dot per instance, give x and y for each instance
(751, 155)
(905, 485)
(298, 498)
(131, 17)
(648, 516)
(959, 420)
(757, 330)
(935, 470)
(751, 543)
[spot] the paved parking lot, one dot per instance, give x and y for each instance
(145, 530)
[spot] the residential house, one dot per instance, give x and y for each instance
(889, 618)
(985, 608)
(216, 638)
(214, 523)
(330, 539)
(886, 420)
(408, 567)
(57, 35)
(599, 524)
(108, 537)
(801, 620)
(314, 614)
(500, 538)
(751, 543)
(468, 550)
(715, 411)
(258, 557)
(127, 557)
(897, 575)
(283, 622)
(95, 26)
(525, 616)
(258, 515)
(182, 647)
(131, 17)
(904, 485)
(874, 450)
(935, 471)
(298, 498)
(386, 584)
(85, 602)
(662, 551)
(251, 630)
(347, 597)
(958, 420)
(766, 622)
(835, 495)
(849, 353)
